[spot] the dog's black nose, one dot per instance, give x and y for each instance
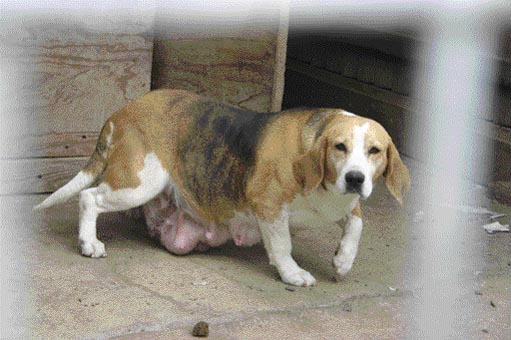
(354, 180)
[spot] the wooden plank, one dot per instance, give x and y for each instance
(500, 154)
(38, 175)
(279, 68)
(502, 106)
(357, 42)
(504, 73)
(394, 43)
(300, 48)
(361, 63)
(504, 59)
(242, 65)
(505, 45)
(352, 85)
(401, 102)
(68, 76)
(502, 191)
(65, 144)
(404, 103)
(100, 74)
(496, 132)
(376, 71)
(236, 70)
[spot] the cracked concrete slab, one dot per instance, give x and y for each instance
(358, 318)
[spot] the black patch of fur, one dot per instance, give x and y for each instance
(219, 151)
(239, 129)
(242, 130)
(320, 121)
(203, 122)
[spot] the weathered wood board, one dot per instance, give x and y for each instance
(244, 68)
(38, 175)
(70, 75)
(62, 76)
(58, 144)
(357, 62)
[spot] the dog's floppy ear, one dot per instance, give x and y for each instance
(309, 169)
(396, 174)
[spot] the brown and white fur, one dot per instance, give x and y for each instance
(195, 162)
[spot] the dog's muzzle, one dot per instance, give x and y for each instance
(354, 181)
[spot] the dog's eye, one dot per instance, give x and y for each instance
(374, 150)
(340, 147)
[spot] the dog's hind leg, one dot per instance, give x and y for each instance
(151, 180)
(89, 212)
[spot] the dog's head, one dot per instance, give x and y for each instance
(349, 153)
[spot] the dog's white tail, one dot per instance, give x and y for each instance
(81, 181)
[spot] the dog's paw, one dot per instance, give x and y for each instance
(299, 278)
(95, 249)
(342, 264)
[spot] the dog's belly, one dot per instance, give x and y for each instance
(317, 209)
(176, 231)
(244, 229)
(181, 237)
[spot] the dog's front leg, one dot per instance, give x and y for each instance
(277, 241)
(348, 247)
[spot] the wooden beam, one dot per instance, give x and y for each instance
(502, 191)
(64, 144)
(352, 85)
(37, 175)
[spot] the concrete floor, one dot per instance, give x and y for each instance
(140, 291)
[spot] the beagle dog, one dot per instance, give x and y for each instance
(244, 175)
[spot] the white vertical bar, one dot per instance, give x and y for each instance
(454, 88)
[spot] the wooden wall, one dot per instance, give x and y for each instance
(71, 75)
(501, 123)
(243, 68)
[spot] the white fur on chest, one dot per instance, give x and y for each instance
(321, 207)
